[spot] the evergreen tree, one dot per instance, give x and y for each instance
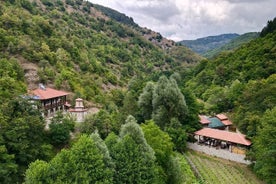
(134, 159)
(103, 149)
(145, 101)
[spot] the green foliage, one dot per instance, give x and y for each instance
(162, 145)
(232, 45)
(220, 82)
(178, 134)
(214, 170)
(165, 102)
(60, 128)
(242, 83)
(79, 52)
(181, 53)
(264, 146)
(168, 102)
(11, 79)
(103, 149)
(24, 138)
(145, 101)
(180, 170)
(104, 122)
(257, 97)
(269, 28)
(120, 17)
(160, 141)
(8, 167)
(134, 159)
(203, 45)
(130, 106)
(83, 163)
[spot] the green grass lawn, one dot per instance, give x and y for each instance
(212, 170)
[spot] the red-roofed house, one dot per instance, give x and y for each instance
(51, 100)
(204, 120)
(224, 139)
(224, 119)
(221, 117)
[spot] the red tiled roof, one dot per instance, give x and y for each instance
(224, 135)
(203, 120)
(226, 122)
(221, 116)
(48, 93)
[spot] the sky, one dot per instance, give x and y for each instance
(191, 19)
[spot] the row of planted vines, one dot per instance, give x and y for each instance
(218, 171)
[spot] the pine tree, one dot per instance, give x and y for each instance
(134, 159)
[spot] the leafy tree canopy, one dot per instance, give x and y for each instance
(83, 163)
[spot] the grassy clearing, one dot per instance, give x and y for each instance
(212, 170)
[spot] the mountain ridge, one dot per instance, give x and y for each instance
(232, 44)
(204, 44)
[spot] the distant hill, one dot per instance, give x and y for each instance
(203, 45)
(233, 44)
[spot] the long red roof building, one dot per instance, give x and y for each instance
(48, 93)
(224, 136)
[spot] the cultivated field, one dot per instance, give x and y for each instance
(213, 170)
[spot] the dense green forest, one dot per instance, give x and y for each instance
(149, 91)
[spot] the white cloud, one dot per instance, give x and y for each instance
(189, 19)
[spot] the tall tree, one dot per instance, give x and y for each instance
(168, 102)
(160, 141)
(162, 145)
(265, 147)
(145, 101)
(134, 159)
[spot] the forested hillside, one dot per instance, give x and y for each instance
(205, 44)
(243, 83)
(73, 46)
(232, 45)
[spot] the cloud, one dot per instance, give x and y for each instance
(190, 19)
